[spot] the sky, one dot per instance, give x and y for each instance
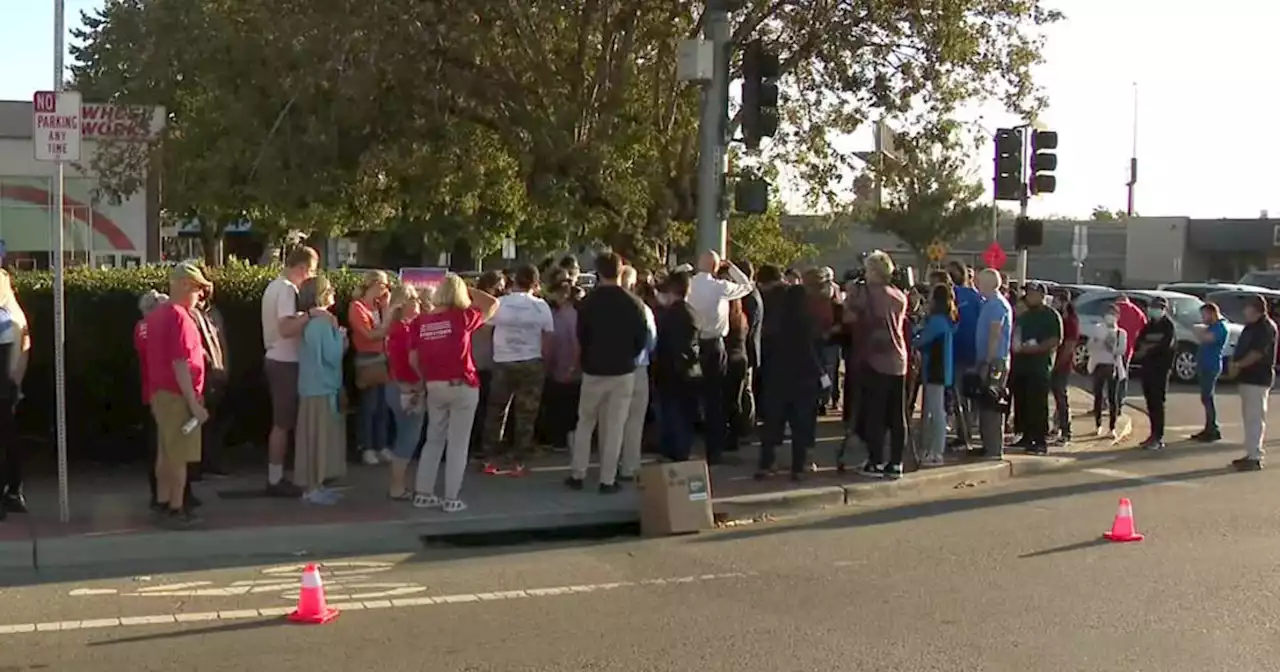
(1202, 73)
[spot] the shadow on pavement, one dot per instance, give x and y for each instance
(1066, 548)
(947, 506)
(239, 626)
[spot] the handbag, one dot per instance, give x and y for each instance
(371, 371)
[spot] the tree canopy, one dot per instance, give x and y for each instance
(547, 120)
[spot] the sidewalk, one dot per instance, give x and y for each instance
(111, 524)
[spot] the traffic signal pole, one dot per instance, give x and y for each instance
(712, 144)
(1023, 200)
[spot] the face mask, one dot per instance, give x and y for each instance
(1110, 320)
(1155, 313)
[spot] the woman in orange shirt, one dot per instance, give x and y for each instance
(368, 332)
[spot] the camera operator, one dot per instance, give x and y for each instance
(878, 311)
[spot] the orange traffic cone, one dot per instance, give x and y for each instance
(311, 605)
(1124, 529)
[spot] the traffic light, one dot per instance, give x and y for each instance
(1009, 164)
(1028, 233)
(760, 70)
(751, 196)
(1043, 162)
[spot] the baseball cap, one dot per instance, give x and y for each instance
(189, 271)
(1034, 286)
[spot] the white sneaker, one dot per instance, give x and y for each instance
(1126, 428)
(1101, 433)
(385, 455)
(933, 461)
(369, 457)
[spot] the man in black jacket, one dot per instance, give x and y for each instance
(612, 332)
(790, 364)
(753, 307)
(1155, 352)
(676, 369)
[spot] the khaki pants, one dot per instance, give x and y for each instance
(633, 433)
(605, 403)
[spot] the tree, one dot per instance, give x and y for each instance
(1102, 214)
(931, 195)
(331, 115)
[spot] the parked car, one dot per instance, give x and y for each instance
(1184, 309)
(1073, 291)
(1231, 304)
(1269, 279)
(1203, 289)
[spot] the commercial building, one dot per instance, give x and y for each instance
(97, 230)
(1135, 252)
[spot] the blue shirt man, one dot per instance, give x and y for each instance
(1209, 358)
(996, 314)
(969, 307)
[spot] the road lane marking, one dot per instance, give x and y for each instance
(360, 605)
(1147, 480)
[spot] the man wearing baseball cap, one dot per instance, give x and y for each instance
(1038, 333)
(175, 363)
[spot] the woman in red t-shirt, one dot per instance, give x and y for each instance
(440, 353)
(404, 393)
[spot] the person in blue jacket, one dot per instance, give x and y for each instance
(934, 340)
(964, 344)
(1213, 340)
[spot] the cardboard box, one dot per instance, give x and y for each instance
(675, 498)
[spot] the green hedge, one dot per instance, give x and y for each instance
(104, 410)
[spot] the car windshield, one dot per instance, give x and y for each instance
(1185, 310)
(1268, 279)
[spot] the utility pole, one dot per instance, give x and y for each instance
(712, 143)
(59, 288)
(1133, 156)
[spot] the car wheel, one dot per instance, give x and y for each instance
(1080, 358)
(1184, 364)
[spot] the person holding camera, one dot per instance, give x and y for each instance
(709, 296)
(878, 310)
(993, 335)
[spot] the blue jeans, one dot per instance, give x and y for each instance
(1209, 385)
(408, 425)
(675, 420)
(374, 414)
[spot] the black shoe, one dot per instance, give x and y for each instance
(1038, 449)
(872, 470)
(180, 520)
(1246, 464)
(976, 453)
(764, 474)
(158, 508)
(1022, 442)
(284, 489)
(609, 488)
(215, 471)
(573, 483)
(1208, 436)
(893, 471)
(15, 503)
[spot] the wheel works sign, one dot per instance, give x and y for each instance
(102, 121)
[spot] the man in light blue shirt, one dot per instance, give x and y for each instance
(633, 433)
(992, 345)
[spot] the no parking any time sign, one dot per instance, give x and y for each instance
(55, 125)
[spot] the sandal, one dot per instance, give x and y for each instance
(404, 496)
(423, 501)
(454, 506)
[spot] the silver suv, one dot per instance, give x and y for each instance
(1184, 309)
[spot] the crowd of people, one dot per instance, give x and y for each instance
(484, 374)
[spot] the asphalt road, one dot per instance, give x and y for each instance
(990, 578)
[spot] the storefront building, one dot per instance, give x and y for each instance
(96, 230)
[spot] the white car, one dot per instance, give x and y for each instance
(1184, 310)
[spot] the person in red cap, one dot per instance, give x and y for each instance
(1132, 320)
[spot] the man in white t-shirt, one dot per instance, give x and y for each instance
(521, 330)
(282, 326)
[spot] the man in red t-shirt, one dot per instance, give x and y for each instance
(175, 361)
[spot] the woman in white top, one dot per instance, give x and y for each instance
(1106, 347)
(15, 346)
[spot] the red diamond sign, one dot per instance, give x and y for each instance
(994, 256)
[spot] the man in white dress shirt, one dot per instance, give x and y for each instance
(709, 296)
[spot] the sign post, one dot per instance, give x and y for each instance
(1079, 249)
(55, 119)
